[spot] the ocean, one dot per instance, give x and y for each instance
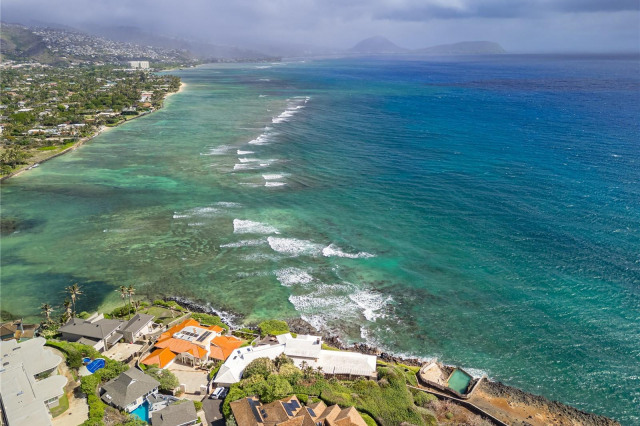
(481, 210)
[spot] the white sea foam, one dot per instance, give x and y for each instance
(262, 67)
(332, 250)
(263, 139)
(245, 166)
(249, 160)
(250, 227)
(274, 184)
(245, 152)
(294, 247)
(219, 150)
(371, 304)
(272, 176)
(292, 276)
(262, 96)
(244, 243)
(180, 216)
(264, 79)
(195, 224)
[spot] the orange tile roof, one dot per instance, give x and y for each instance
(161, 357)
(223, 346)
(173, 330)
(179, 346)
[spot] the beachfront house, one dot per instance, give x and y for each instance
(129, 390)
(18, 330)
(288, 411)
(101, 333)
(305, 351)
(27, 388)
(191, 343)
(182, 414)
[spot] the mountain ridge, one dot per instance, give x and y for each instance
(379, 45)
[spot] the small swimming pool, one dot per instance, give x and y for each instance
(142, 412)
(459, 381)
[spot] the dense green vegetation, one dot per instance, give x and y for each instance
(273, 327)
(168, 380)
(44, 106)
(387, 401)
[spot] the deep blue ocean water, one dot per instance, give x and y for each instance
(485, 211)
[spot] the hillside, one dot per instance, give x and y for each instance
(377, 45)
(18, 43)
(464, 48)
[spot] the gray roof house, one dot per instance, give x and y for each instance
(182, 414)
(129, 390)
(25, 399)
(101, 333)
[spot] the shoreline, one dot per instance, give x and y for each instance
(493, 395)
(86, 139)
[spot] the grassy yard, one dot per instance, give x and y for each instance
(62, 406)
(160, 313)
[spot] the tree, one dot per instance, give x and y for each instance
(74, 292)
(66, 305)
(261, 366)
(168, 380)
(46, 310)
(277, 387)
(123, 294)
(130, 291)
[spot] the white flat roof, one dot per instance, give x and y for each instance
(31, 352)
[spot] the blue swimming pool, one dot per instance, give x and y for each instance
(142, 412)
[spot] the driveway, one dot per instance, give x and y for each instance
(212, 411)
(191, 378)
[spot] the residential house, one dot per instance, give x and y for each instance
(129, 390)
(289, 412)
(101, 333)
(305, 351)
(189, 343)
(182, 414)
(26, 389)
(18, 330)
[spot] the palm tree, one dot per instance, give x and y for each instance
(130, 291)
(74, 292)
(67, 310)
(46, 310)
(123, 294)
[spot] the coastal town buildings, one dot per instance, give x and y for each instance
(191, 343)
(18, 330)
(288, 411)
(28, 387)
(129, 390)
(101, 333)
(143, 65)
(305, 351)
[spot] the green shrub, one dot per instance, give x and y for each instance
(254, 385)
(290, 372)
(422, 399)
(198, 405)
(277, 387)
(261, 366)
(235, 393)
(83, 315)
(368, 420)
(273, 328)
(304, 398)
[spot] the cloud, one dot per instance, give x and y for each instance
(340, 23)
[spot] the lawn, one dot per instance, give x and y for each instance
(63, 406)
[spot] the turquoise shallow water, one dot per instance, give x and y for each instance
(484, 211)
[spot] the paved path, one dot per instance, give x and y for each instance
(212, 412)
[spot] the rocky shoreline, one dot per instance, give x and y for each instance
(563, 413)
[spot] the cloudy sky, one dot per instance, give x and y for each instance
(518, 25)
